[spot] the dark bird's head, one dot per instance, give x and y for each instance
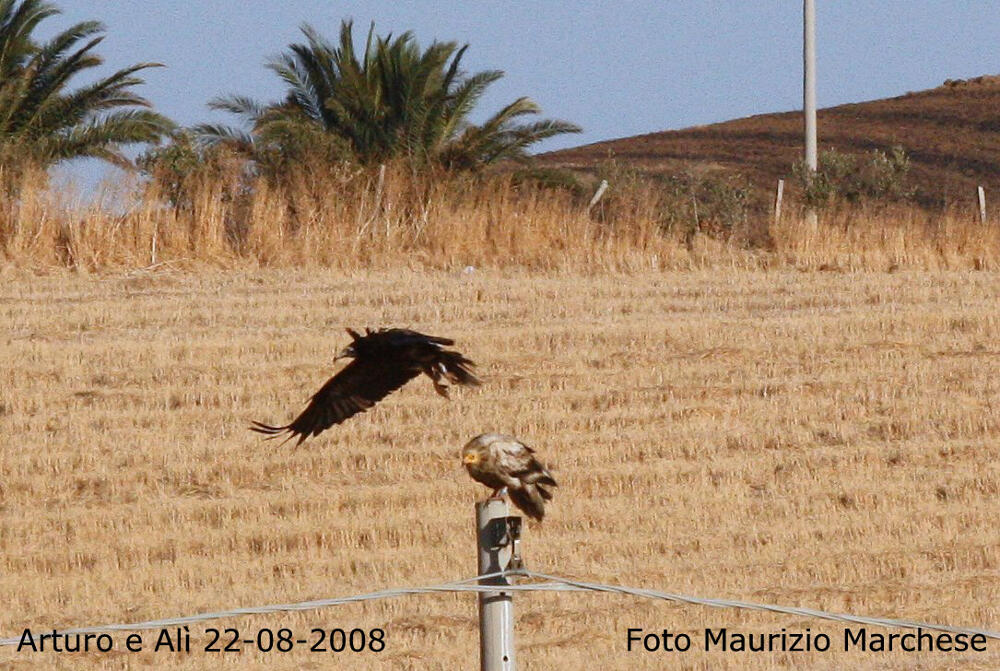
(349, 352)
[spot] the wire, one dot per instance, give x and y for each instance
(457, 586)
(745, 605)
(552, 584)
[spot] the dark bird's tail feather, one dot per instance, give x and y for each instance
(458, 369)
(267, 429)
(273, 432)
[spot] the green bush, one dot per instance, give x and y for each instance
(182, 166)
(874, 176)
(713, 203)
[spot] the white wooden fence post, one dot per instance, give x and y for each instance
(777, 201)
(982, 204)
(597, 195)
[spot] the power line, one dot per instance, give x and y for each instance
(746, 605)
(551, 583)
(458, 586)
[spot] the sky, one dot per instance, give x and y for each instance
(615, 68)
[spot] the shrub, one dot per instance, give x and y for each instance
(875, 176)
(712, 203)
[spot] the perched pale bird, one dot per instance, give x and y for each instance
(506, 464)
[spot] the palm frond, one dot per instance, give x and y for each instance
(103, 137)
(393, 100)
(243, 106)
(213, 134)
(40, 113)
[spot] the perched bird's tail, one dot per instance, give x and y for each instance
(532, 496)
(531, 500)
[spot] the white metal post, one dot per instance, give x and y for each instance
(809, 91)
(496, 609)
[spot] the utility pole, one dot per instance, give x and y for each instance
(809, 92)
(498, 537)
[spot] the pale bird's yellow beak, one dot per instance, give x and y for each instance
(470, 459)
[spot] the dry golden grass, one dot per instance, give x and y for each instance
(349, 219)
(826, 440)
(863, 238)
(346, 220)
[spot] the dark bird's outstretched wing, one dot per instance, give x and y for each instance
(427, 351)
(357, 387)
(384, 360)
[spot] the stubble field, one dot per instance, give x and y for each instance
(824, 440)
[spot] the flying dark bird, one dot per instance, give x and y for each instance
(384, 360)
(505, 463)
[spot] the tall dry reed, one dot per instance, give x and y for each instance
(395, 217)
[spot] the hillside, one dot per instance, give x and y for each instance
(951, 133)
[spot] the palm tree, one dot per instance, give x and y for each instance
(394, 101)
(41, 120)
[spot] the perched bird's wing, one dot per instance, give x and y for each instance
(518, 460)
(510, 456)
(357, 387)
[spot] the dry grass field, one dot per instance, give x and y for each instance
(820, 439)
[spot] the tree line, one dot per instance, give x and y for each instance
(392, 100)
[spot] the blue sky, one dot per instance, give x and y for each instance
(615, 68)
